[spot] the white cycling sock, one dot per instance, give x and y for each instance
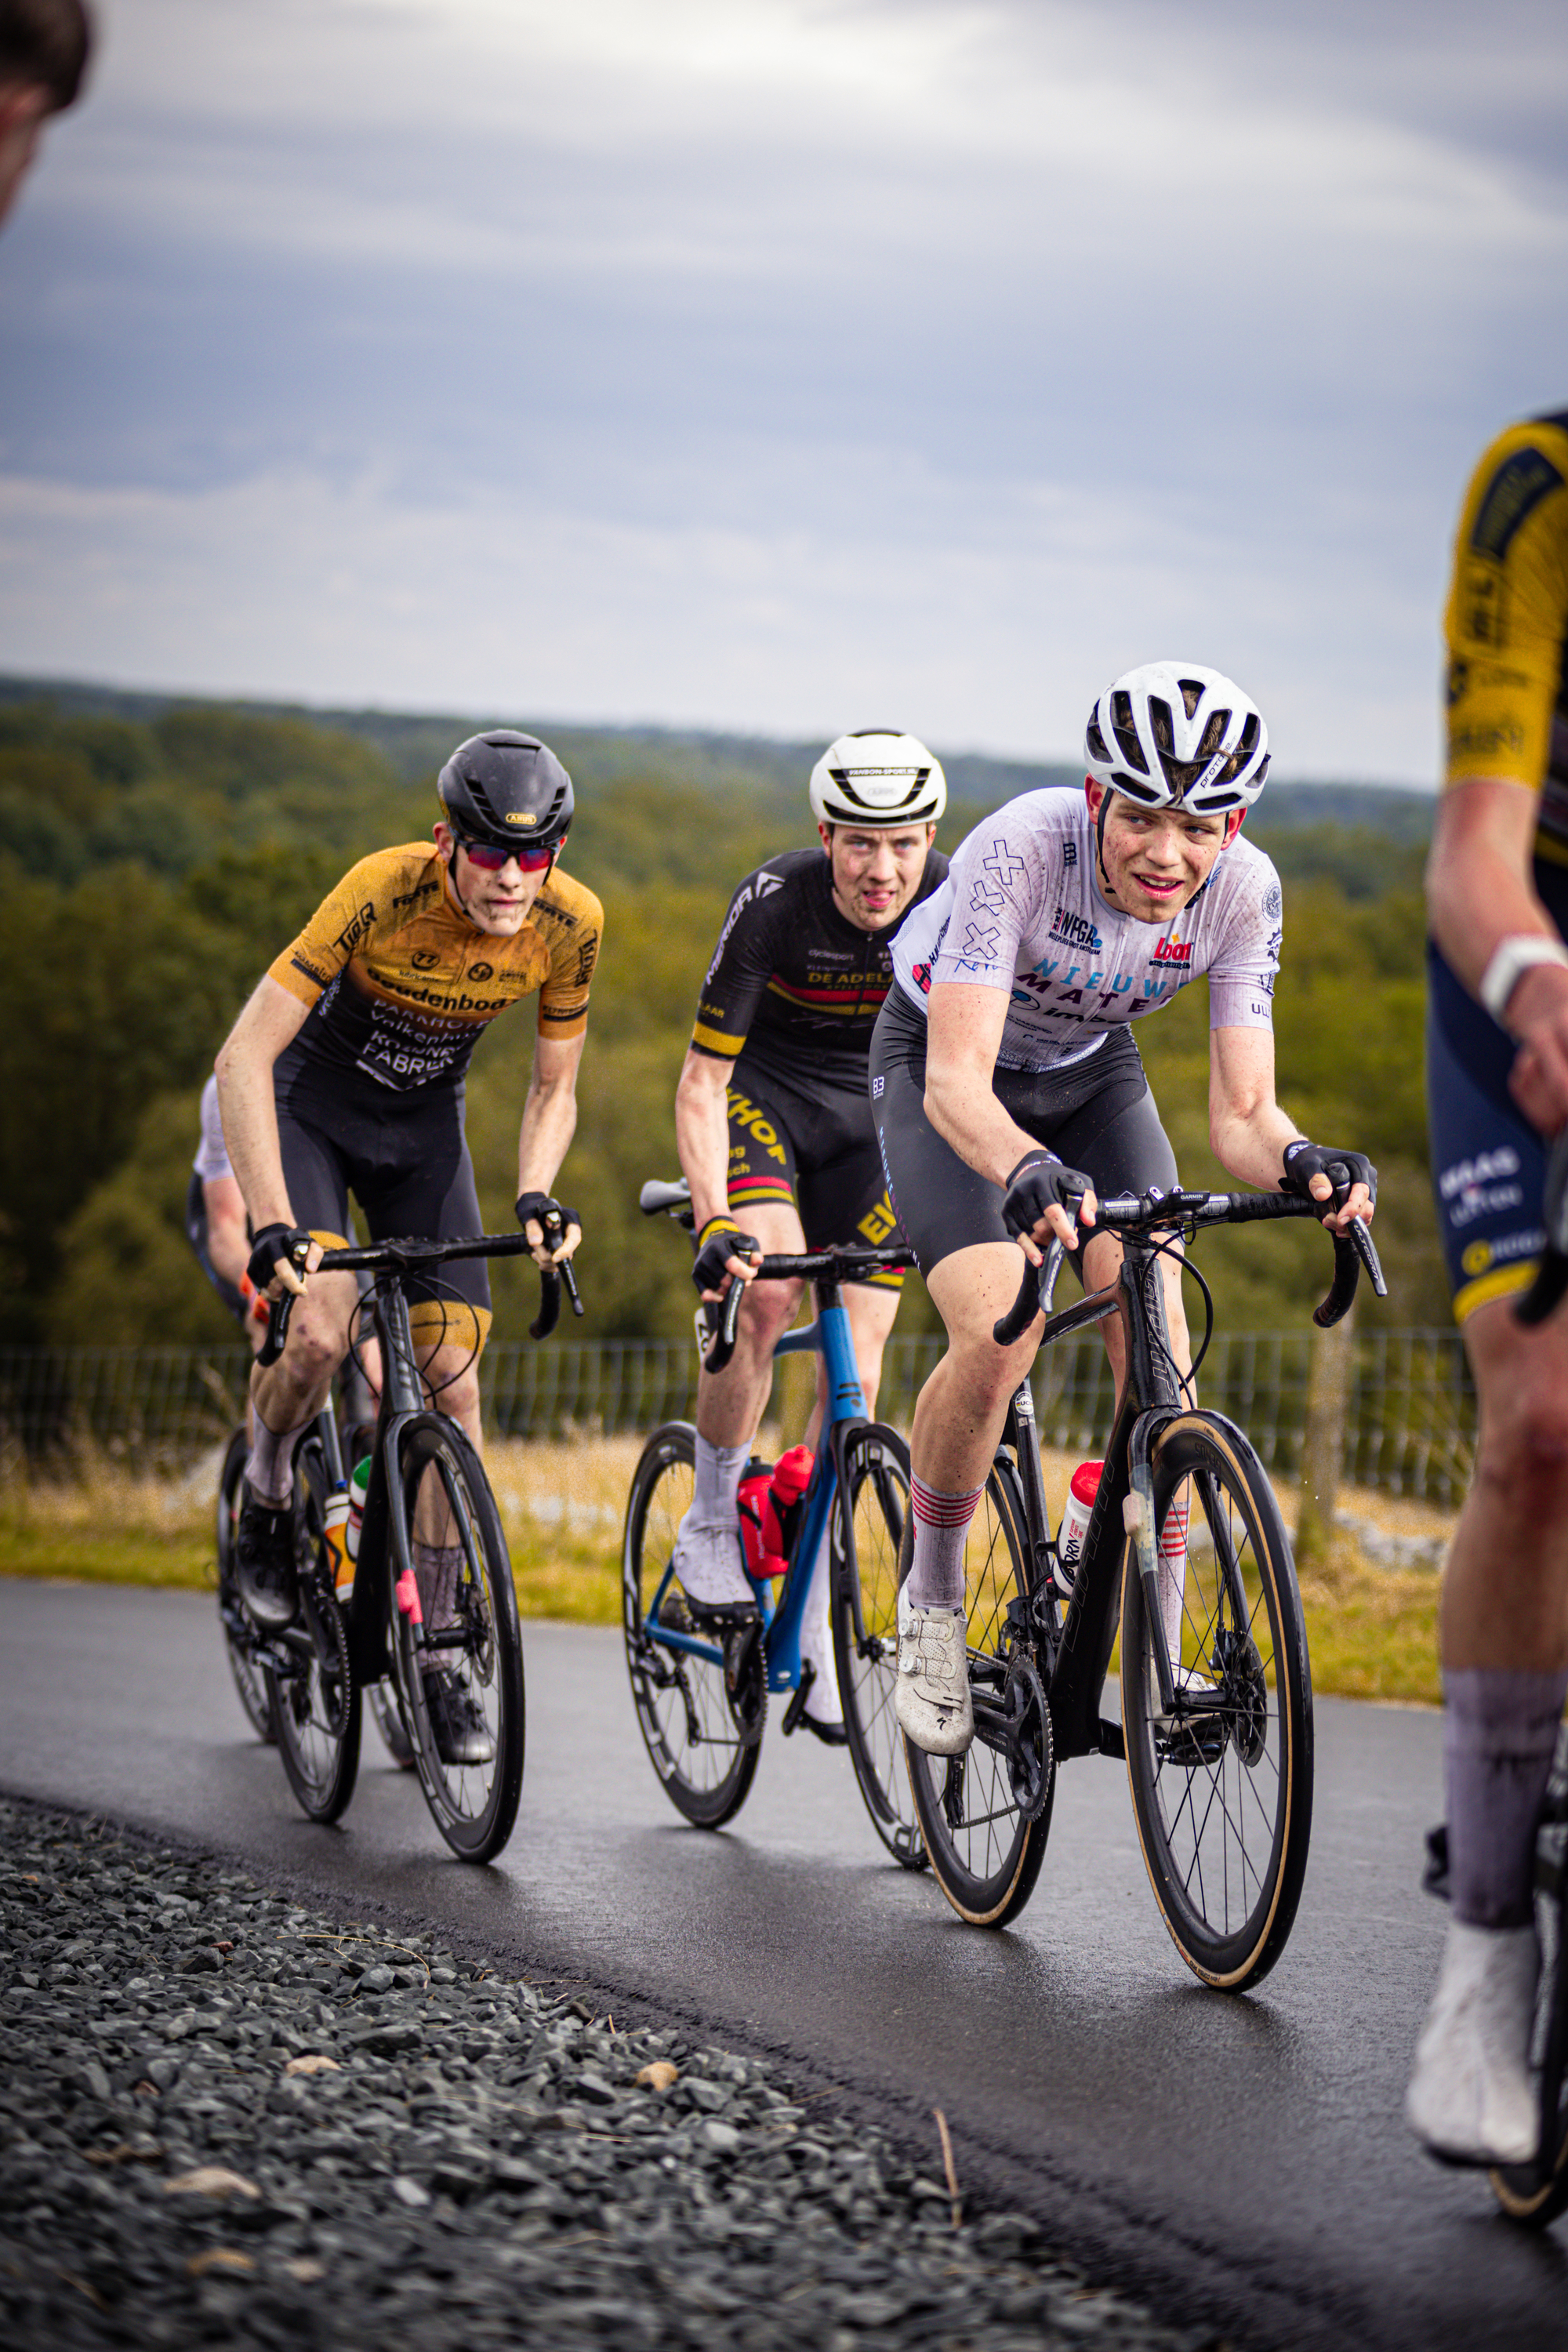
(1500, 1729)
(1171, 1565)
(715, 1494)
(941, 1524)
(271, 1468)
(436, 1568)
(824, 1704)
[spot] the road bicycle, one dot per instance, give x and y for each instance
(424, 1476)
(1217, 1698)
(701, 1699)
(320, 1461)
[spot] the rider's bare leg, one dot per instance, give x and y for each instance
(1505, 1660)
(286, 1396)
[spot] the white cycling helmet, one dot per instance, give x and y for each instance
(878, 778)
(1176, 731)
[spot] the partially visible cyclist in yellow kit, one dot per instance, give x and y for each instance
(1498, 1085)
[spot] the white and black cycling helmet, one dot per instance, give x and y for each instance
(878, 778)
(1174, 731)
(506, 789)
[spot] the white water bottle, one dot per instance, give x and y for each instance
(1076, 1513)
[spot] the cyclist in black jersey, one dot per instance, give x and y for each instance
(773, 1123)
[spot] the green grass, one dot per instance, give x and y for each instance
(1372, 1634)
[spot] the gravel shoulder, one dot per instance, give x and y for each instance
(227, 2119)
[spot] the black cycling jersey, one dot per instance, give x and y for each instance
(794, 988)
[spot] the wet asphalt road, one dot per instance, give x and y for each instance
(1240, 2160)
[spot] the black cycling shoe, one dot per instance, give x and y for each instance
(832, 1735)
(460, 1732)
(265, 1572)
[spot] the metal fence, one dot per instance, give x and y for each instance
(1410, 1431)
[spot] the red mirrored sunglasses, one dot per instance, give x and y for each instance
(490, 859)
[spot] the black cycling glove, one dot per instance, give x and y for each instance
(1303, 1160)
(720, 1239)
(272, 1243)
(545, 1205)
(1039, 1182)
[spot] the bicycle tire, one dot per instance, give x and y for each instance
(1224, 1807)
(683, 1709)
(984, 1855)
(474, 1805)
(238, 1632)
(1535, 2194)
(316, 1708)
(875, 1501)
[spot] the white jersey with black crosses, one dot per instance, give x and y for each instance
(1021, 910)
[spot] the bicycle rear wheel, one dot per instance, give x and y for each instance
(316, 1703)
(473, 1801)
(684, 1712)
(866, 1632)
(985, 1852)
(1223, 1792)
(239, 1635)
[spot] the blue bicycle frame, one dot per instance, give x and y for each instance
(829, 1337)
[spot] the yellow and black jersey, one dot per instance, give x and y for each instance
(794, 982)
(1507, 624)
(400, 983)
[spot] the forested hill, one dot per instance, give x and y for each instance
(156, 852)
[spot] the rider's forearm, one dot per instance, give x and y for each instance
(1478, 886)
(249, 1113)
(966, 1114)
(703, 1135)
(229, 1243)
(549, 1123)
(1252, 1146)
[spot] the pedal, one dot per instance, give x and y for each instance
(794, 1713)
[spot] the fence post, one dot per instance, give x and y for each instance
(1329, 1366)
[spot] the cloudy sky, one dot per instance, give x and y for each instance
(780, 365)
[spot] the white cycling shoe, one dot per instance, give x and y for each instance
(712, 1567)
(1470, 2096)
(931, 1698)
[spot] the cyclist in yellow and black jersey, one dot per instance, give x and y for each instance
(345, 1074)
(775, 1129)
(1497, 1089)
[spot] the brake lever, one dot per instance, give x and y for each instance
(1055, 1258)
(1366, 1250)
(280, 1310)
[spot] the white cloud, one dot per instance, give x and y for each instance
(757, 361)
(283, 586)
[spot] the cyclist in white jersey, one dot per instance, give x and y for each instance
(1006, 1079)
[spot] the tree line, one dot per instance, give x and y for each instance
(153, 864)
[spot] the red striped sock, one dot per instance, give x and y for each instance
(942, 1523)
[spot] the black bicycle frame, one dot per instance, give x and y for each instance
(1078, 1655)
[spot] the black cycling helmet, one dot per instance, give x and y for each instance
(506, 789)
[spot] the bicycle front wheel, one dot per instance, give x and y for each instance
(876, 1502)
(316, 1701)
(684, 1712)
(1536, 2193)
(1223, 1790)
(238, 1634)
(462, 1687)
(985, 1852)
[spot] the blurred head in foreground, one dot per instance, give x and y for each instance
(44, 45)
